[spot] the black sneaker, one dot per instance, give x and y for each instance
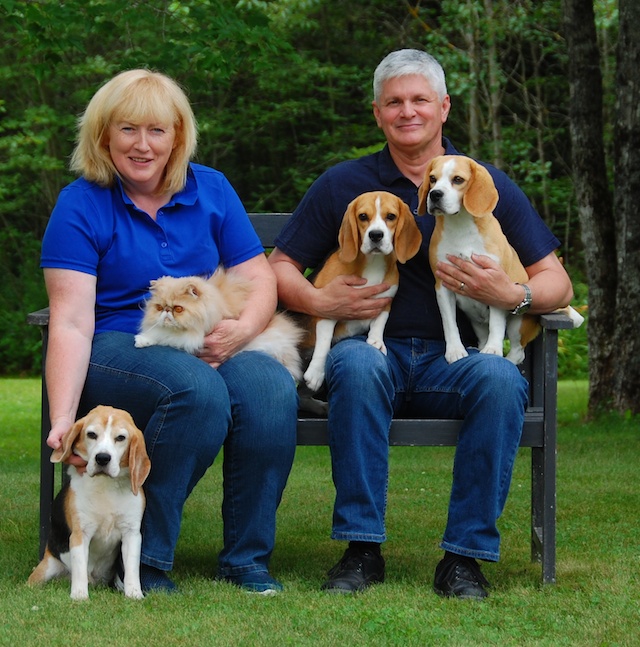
(460, 577)
(357, 570)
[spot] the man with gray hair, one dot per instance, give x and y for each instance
(366, 388)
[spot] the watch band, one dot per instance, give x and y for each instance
(525, 304)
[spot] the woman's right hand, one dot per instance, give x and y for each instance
(54, 440)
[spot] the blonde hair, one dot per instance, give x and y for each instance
(136, 96)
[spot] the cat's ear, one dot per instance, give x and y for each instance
(193, 290)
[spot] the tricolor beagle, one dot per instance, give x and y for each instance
(99, 509)
(461, 194)
(377, 230)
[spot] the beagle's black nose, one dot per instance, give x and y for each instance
(376, 235)
(436, 195)
(103, 458)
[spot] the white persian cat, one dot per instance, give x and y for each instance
(181, 311)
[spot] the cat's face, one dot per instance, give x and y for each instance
(177, 303)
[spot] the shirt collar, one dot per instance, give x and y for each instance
(389, 172)
(186, 196)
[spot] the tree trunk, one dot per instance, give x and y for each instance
(495, 97)
(627, 198)
(593, 197)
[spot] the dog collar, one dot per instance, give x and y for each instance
(525, 304)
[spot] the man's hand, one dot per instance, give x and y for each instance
(480, 278)
(345, 297)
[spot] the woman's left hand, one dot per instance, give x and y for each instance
(223, 342)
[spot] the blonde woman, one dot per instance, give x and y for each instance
(140, 210)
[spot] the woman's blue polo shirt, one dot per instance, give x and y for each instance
(100, 231)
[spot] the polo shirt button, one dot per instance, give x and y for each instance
(163, 245)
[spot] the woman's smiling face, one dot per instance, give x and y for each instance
(140, 153)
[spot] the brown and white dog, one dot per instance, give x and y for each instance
(461, 194)
(98, 511)
(377, 230)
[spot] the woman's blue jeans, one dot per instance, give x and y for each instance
(188, 411)
(366, 389)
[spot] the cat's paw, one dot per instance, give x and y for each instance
(140, 341)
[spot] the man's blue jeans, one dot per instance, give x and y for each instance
(366, 389)
(188, 411)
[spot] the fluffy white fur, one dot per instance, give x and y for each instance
(182, 311)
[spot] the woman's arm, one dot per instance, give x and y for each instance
(72, 297)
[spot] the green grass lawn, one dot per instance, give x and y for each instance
(596, 600)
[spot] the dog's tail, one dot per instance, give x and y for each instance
(576, 318)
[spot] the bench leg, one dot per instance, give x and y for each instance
(543, 512)
(47, 468)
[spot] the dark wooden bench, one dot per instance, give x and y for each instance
(539, 434)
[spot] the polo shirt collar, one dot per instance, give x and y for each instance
(389, 172)
(188, 195)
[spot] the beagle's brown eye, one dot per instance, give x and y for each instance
(120, 438)
(391, 216)
(458, 180)
(432, 179)
(363, 217)
(178, 309)
(92, 434)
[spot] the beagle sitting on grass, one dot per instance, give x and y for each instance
(99, 510)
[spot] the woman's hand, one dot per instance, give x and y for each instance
(54, 440)
(226, 339)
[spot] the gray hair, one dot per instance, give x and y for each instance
(404, 62)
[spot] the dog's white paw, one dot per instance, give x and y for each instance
(134, 593)
(79, 593)
(492, 350)
(314, 377)
(455, 352)
(377, 342)
(516, 355)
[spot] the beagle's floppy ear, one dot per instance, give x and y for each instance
(68, 440)
(423, 191)
(138, 460)
(481, 196)
(349, 235)
(407, 238)
(139, 463)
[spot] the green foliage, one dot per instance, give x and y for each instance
(573, 347)
(21, 291)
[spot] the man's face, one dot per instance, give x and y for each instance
(410, 113)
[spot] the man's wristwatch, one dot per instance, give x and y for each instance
(525, 304)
